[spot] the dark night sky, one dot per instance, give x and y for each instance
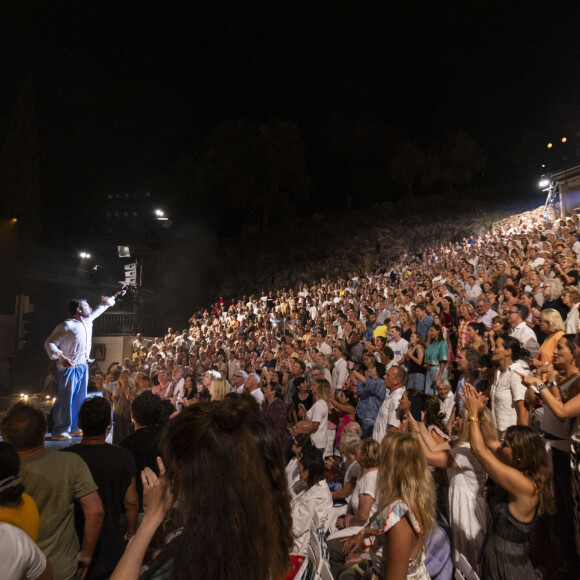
(125, 89)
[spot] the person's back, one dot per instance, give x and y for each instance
(54, 480)
(113, 470)
(147, 412)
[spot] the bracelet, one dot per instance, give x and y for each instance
(542, 387)
(416, 432)
(472, 420)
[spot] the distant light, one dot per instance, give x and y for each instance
(564, 139)
(84, 255)
(159, 213)
(549, 145)
(14, 220)
(544, 183)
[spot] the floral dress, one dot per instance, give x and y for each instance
(375, 539)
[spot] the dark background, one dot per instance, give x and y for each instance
(106, 110)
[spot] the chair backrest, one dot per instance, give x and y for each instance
(316, 549)
(465, 568)
(458, 575)
(325, 573)
(315, 520)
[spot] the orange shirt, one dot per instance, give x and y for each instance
(24, 516)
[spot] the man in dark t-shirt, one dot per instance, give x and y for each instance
(147, 412)
(113, 470)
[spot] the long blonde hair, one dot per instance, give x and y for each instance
(404, 475)
(218, 389)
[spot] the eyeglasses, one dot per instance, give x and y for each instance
(514, 312)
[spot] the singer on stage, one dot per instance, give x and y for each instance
(70, 345)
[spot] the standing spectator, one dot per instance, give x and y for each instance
(387, 420)
(70, 345)
(435, 358)
(571, 299)
(55, 480)
(424, 321)
(16, 508)
(275, 414)
(340, 370)
(371, 394)
(147, 413)
(517, 316)
(113, 469)
(398, 344)
(484, 310)
(508, 393)
(414, 360)
(315, 420)
(21, 557)
(552, 326)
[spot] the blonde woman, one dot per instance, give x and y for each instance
(315, 420)
(396, 533)
(551, 323)
(218, 389)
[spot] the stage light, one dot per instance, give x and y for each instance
(159, 213)
(84, 255)
(544, 183)
(549, 145)
(14, 220)
(564, 139)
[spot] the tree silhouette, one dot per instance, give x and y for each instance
(408, 164)
(455, 160)
(260, 169)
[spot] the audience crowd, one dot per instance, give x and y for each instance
(423, 415)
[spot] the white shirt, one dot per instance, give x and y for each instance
(507, 388)
(317, 499)
(318, 413)
(256, 393)
(72, 338)
(21, 558)
(339, 374)
(527, 338)
(573, 320)
(399, 349)
(387, 415)
(487, 317)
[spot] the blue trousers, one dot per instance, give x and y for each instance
(71, 392)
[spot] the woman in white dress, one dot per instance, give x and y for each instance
(315, 498)
(469, 513)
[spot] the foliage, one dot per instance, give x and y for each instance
(455, 160)
(408, 165)
(259, 169)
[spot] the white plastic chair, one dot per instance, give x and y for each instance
(325, 573)
(465, 568)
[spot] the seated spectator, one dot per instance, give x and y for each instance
(315, 498)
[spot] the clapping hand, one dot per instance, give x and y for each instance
(157, 495)
(474, 401)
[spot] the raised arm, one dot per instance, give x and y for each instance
(512, 480)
